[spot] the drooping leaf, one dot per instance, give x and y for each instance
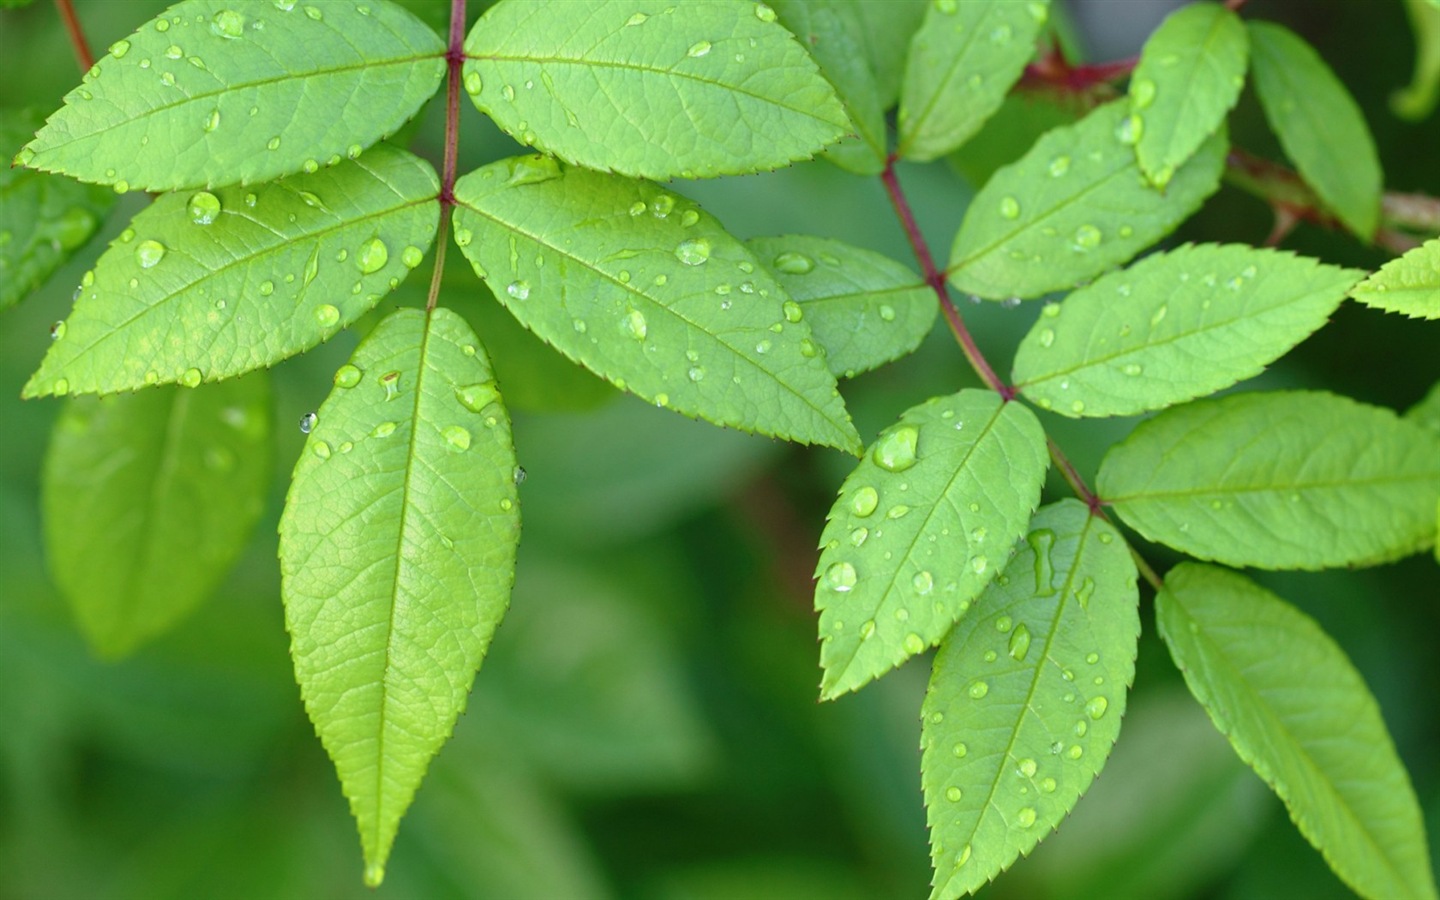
(961, 64)
(206, 286)
(1026, 697)
(218, 92)
(864, 308)
(1015, 127)
(1284, 480)
(397, 553)
(131, 480)
(833, 31)
(922, 525)
(1416, 100)
(643, 288)
(652, 89)
(1189, 76)
(43, 218)
(1409, 284)
(1173, 327)
(1321, 128)
(1072, 208)
(1298, 713)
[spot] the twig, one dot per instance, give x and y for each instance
(83, 56)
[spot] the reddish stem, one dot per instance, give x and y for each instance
(454, 61)
(83, 56)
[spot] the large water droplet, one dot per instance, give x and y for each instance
(792, 263)
(1025, 817)
(913, 643)
(662, 206)
(520, 290)
(347, 376)
(764, 13)
(373, 256)
(1096, 707)
(840, 577)
(308, 422)
(149, 253)
(411, 257)
(953, 794)
(1027, 767)
(978, 689)
(1083, 592)
(693, 252)
(698, 49)
(475, 397)
(1041, 541)
(1019, 643)
(1087, 237)
(864, 502)
(896, 450)
(204, 208)
(228, 24)
(923, 583)
(472, 83)
(458, 438)
(634, 323)
(326, 315)
(119, 49)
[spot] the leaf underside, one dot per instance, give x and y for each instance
(397, 553)
(1298, 713)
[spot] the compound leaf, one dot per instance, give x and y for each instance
(132, 479)
(646, 290)
(1409, 285)
(864, 308)
(1319, 125)
(1189, 76)
(1026, 696)
(1173, 327)
(961, 65)
(1284, 480)
(43, 218)
(1298, 713)
(397, 553)
(206, 286)
(922, 525)
(653, 89)
(216, 92)
(1073, 207)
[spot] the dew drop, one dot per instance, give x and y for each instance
(1083, 592)
(792, 263)
(384, 429)
(1041, 541)
(959, 751)
(637, 19)
(978, 689)
(1010, 208)
(953, 794)
(347, 376)
(472, 83)
(634, 323)
(149, 253)
(1047, 337)
(662, 206)
(864, 502)
(895, 451)
(314, 13)
(762, 347)
(228, 24)
(1026, 767)
(204, 208)
(373, 256)
(1026, 817)
(411, 257)
(764, 13)
(698, 49)
(1059, 166)
(1129, 130)
(326, 315)
(693, 252)
(840, 577)
(308, 422)
(867, 630)
(979, 564)
(458, 438)
(273, 143)
(913, 643)
(1019, 643)
(1087, 237)
(520, 290)
(923, 583)
(695, 373)
(1096, 707)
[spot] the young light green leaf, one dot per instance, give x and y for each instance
(864, 308)
(833, 31)
(43, 218)
(206, 286)
(1319, 125)
(1416, 100)
(216, 92)
(922, 525)
(1173, 327)
(131, 480)
(1189, 76)
(1073, 207)
(652, 89)
(397, 552)
(1026, 697)
(1298, 713)
(1284, 480)
(643, 288)
(961, 64)
(1409, 284)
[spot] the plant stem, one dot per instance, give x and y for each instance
(83, 56)
(454, 60)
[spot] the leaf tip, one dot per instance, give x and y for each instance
(374, 874)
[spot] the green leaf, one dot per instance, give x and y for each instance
(43, 218)
(217, 92)
(1173, 327)
(1072, 208)
(652, 89)
(1426, 413)
(1409, 285)
(643, 288)
(922, 525)
(833, 31)
(148, 500)
(1285, 480)
(397, 551)
(1015, 127)
(1298, 713)
(1026, 697)
(864, 308)
(207, 286)
(961, 65)
(1416, 101)
(1189, 76)
(1321, 128)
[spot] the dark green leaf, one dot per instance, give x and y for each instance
(1286, 480)
(397, 552)
(217, 92)
(1299, 714)
(148, 500)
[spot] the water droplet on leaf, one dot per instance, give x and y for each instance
(373, 256)
(149, 253)
(896, 450)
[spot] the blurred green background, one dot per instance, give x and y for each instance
(647, 724)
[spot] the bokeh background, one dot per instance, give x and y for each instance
(647, 725)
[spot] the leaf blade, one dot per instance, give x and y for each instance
(391, 610)
(923, 479)
(1175, 326)
(1073, 207)
(1284, 480)
(129, 479)
(1319, 125)
(566, 79)
(1303, 719)
(244, 278)
(1407, 284)
(659, 300)
(1020, 734)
